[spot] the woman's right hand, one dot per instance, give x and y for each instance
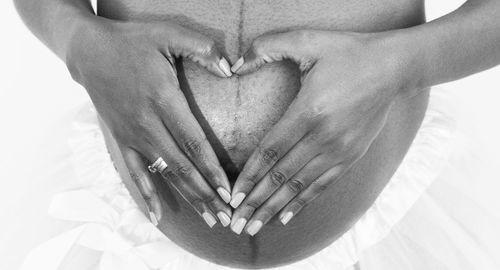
(128, 70)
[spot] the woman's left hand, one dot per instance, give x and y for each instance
(349, 81)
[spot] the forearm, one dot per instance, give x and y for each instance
(456, 45)
(54, 21)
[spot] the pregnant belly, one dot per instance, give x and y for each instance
(237, 112)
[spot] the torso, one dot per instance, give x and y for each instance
(237, 112)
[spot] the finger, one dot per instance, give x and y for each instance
(142, 178)
(287, 192)
(277, 142)
(315, 189)
(178, 41)
(281, 173)
(293, 45)
(193, 143)
(195, 187)
(205, 205)
(192, 198)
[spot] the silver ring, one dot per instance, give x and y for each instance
(158, 166)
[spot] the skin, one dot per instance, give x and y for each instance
(418, 57)
(315, 143)
(141, 101)
(145, 122)
(285, 172)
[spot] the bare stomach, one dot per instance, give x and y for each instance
(237, 112)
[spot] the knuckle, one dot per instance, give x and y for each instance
(316, 111)
(252, 205)
(213, 175)
(251, 180)
(339, 145)
(320, 187)
(312, 115)
(183, 170)
(348, 146)
(268, 155)
(277, 178)
(136, 177)
(147, 197)
(266, 213)
(329, 140)
(295, 186)
(192, 147)
(168, 175)
(314, 137)
(209, 198)
(195, 201)
(161, 93)
(258, 45)
(143, 121)
(300, 202)
(207, 47)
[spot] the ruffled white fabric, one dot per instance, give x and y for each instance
(112, 233)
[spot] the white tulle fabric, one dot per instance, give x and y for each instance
(112, 233)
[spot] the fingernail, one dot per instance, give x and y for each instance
(153, 218)
(238, 226)
(224, 219)
(236, 201)
(286, 217)
(224, 66)
(209, 219)
(238, 64)
(254, 227)
(224, 194)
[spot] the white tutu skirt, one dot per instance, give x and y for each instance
(439, 211)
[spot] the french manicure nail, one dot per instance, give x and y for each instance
(238, 64)
(209, 219)
(238, 226)
(286, 217)
(254, 227)
(224, 66)
(224, 194)
(153, 218)
(224, 219)
(236, 201)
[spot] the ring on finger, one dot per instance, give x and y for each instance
(158, 166)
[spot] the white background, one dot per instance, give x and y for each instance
(35, 84)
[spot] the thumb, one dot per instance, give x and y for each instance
(293, 45)
(178, 41)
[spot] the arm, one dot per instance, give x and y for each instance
(55, 21)
(349, 82)
(128, 70)
(456, 45)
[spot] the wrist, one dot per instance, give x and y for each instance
(405, 58)
(64, 21)
(81, 29)
(84, 37)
